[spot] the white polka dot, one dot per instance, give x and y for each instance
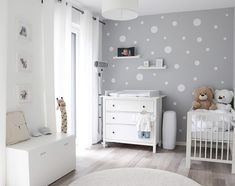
(168, 49)
(215, 68)
(197, 22)
(222, 82)
(225, 58)
(129, 28)
(164, 37)
(113, 66)
(184, 117)
(154, 74)
(147, 39)
(174, 23)
(181, 88)
(176, 66)
(139, 77)
(225, 38)
(215, 27)
(152, 53)
(187, 52)
(199, 39)
(154, 29)
(195, 79)
(126, 83)
(166, 83)
(103, 80)
(122, 38)
(196, 62)
(226, 15)
(135, 42)
(183, 37)
(127, 68)
(113, 80)
(116, 24)
(111, 49)
(108, 34)
(162, 17)
(141, 22)
(208, 49)
(174, 103)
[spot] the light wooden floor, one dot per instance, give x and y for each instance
(97, 158)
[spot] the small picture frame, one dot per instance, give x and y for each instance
(122, 52)
(23, 61)
(159, 62)
(24, 93)
(24, 31)
(146, 63)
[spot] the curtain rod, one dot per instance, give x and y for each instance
(82, 12)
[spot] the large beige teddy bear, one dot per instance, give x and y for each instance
(203, 99)
(223, 99)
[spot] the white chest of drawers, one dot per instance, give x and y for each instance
(119, 125)
(40, 161)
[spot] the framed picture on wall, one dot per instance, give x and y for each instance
(24, 31)
(122, 52)
(23, 61)
(24, 93)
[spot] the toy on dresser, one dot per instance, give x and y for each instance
(223, 99)
(203, 99)
(62, 107)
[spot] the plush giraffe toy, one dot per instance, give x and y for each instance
(62, 107)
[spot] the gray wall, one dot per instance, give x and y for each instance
(196, 46)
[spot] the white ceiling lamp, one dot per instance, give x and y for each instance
(121, 10)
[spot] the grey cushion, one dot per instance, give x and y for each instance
(16, 128)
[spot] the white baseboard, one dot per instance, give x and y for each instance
(181, 143)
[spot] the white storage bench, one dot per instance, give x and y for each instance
(40, 160)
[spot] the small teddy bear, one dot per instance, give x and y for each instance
(223, 99)
(203, 99)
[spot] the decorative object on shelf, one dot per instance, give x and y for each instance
(62, 106)
(23, 61)
(159, 62)
(123, 52)
(119, 9)
(24, 93)
(24, 31)
(146, 63)
(127, 57)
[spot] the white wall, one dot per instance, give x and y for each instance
(3, 62)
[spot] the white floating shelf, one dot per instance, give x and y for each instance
(127, 57)
(152, 68)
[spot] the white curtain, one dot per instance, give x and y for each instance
(62, 57)
(87, 82)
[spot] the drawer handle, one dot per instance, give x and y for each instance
(113, 117)
(42, 153)
(143, 106)
(66, 144)
(113, 105)
(113, 132)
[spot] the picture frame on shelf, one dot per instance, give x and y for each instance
(24, 31)
(23, 61)
(24, 93)
(159, 62)
(124, 52)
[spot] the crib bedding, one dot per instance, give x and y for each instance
(208, 136)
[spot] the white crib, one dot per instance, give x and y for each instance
(210, 137)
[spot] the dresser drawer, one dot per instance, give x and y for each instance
(120, 118)
(125, 133)
(129, 106)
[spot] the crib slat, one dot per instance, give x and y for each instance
(206, 138)
(229, 125)
(195, 140)
(211, 142)
(200, 148)
(222, 148)
(217, 137)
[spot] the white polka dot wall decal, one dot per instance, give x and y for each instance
(187, 52)
(168, 49)
(116, 24)
(197, 22)
(225, 57)
(176, 66)
(196, 62)
(111, 49)
(122, 38)
(174, 103)
(226, 15)
(195, 79)
(154, 74)
(147, 39)
(127, 68)
(164, 37)
(174, 23)
(154, 29)
(183, 37)
(215, 26)
(166, 83)
(162, 17)
(139, 77)
(129, 28)
(222, 82)
(141, 22)
(126, 83)
(103, 80)
(152, 53)
(184, 117)
(113, 80)
(215, 68)
(208, 49)
(135, 42)
(225, 38)
(181, 88)
(199, 39)
(108, 34)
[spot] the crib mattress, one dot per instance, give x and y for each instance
(208, 136)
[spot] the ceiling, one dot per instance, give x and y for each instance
(149, 7)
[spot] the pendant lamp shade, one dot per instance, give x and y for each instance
(120, 10)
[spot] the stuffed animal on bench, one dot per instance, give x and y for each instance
(62, 106)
